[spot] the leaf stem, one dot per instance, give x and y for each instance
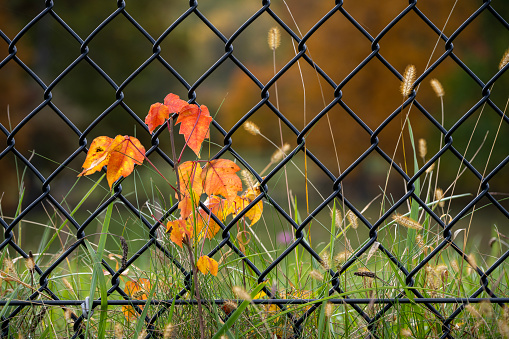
(186, 242)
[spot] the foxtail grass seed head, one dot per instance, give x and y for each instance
(418, 240)
(472, 262)
(241, 293)
(373, 250)
(329, 309)
(439, 195)
(9, 266)
(247, 178)
(486, 309)
(228, 307)
(274, 38)
(423, 148)
(503, 328)
(443, 272)
(341, 258)
(473, 312)
(252, 128)
(316, 275)
(325, 262)
(406, 222)
(430, 169)
(405, 333)
(125, 252)
(30, 262)
(68, 285)
(454, 266)
(407, 84)
(68, 315)
(168, 331)
(142, 334)
(339, 218)
(505, 60)
(437, 87)
(352, 219)
(119, 331)
(279, 154)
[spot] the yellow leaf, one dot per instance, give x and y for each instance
(97, 156)
(206, 264)
(136, 290)
(240, 203)
(178, 230)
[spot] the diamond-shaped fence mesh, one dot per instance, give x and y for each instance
(119, 58)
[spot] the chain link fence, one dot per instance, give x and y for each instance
(46, 293)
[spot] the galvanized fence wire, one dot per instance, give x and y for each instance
(407, 295)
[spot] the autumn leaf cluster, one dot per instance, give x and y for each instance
(217, 179)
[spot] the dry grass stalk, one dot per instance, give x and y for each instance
(252, 128)
(407, 85)
(274, 38)
(352, 218)
(406, 222)
(423, 148)
(437, 87)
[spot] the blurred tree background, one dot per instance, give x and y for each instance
(337, 46)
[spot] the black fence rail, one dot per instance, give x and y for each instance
(45, 295)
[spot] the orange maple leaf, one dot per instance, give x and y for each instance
(125, 151)
(240, 203)
(220, 207)
(190, 187)
(97, 155)
(219, 177)
(137, 290)
(206, 264)
(194, 125)
(174, 103)
(157, 115)
(179, 229)
(205, 225)
(119, 155)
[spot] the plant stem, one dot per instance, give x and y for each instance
(196, 287)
